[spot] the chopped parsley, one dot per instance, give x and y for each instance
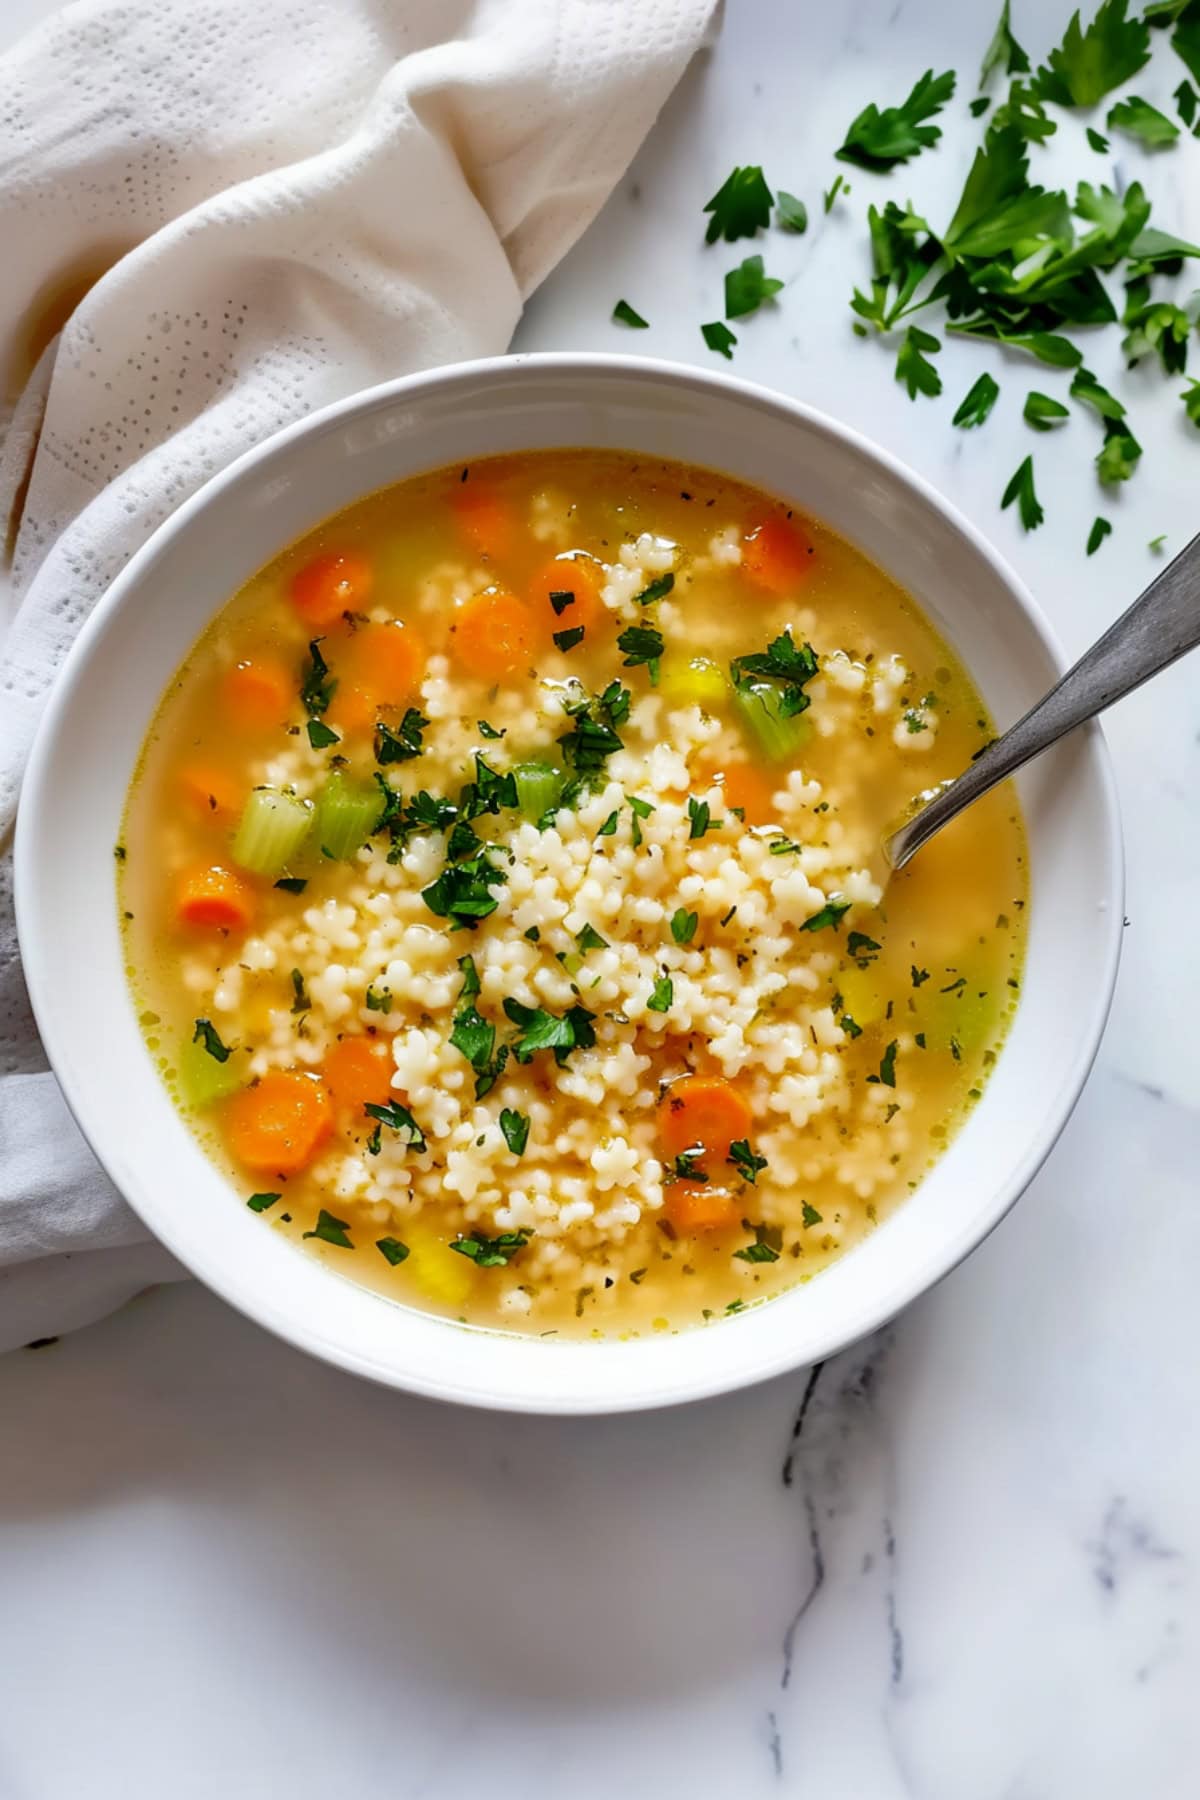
(609, 827)
(1120, 454)
(320, 735)
(850, 1026)
(541, 1030)
(316, 688)
(861, 947)
(398, 1118)
(913, 366)
(662, 995)
(331, 1230)
(977, 404)
(463, 890)
(887, 1068)
(292, 884)
(1003, 51)
(560, 599)
(590, 939)
(830, 914)
(718, 337)
(1191, 402)
(260, 1202)
(740, 207)
(879, 140)
(206, 1034)
(1096, 536)
(1186, 100)
(641, 644)
(658, 589)
(593, 736)
(758, 1252)
(567, 640)
(515, 1126)
(747, 288)
(700, 819)
(474, 1035)
(623, 314)
(683, 925)
(300, 1000)
(793, 668)
(748, 1165)
(488, 730)
(1138, 119)
(1043, 412)
(391, 1250)
(491, 1252)
(919, 976)
(1021, 489)
(685, 1169)
(831, 193)
(791, 214)
(1098, 143)
(810, 1216)
(402, 744)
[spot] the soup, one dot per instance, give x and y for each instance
(505, 906)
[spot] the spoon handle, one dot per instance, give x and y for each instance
(1161, 626)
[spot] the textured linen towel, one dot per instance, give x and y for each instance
(242, 212)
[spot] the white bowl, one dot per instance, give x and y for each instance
(92, 731)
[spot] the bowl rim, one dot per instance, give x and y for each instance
(32, 810)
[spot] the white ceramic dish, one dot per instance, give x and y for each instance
(97, 716)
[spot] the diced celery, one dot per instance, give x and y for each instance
(778, 735)
(538, 788)
(693, 680)
(203, 1080)
(271, 830)
(347, 813)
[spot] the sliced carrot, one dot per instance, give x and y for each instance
(259, 692)
(378, 669)
(330, 585)
(702, 1110)
(358, 1072)
(748, 789)
(488, 522)
(700, 1206)
(209, 790)
(580, 577)
(214, 899)
(778, 554)
(493, 635)
(277, 1125)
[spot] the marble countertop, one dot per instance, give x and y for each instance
(960, 1561)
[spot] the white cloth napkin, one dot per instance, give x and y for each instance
(243, 212)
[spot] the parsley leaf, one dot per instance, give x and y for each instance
(491, 1252)
(879, 140)
(320, 735)
(1086, 389)
(913, 367)
(641, 644)
(1003, 49)
(658, 589)
(515, 1127)
(718, 337)
(1021, 489)
(1096, 536)
(861, 947)
(300, 1000)
(463, 890)
(540, 1030)
(567, 640)
(1088, 64)
(1185, 39)
(1042, 412)
(791, 214)
(782, 662)
(758, 1252)
(623, 314)
(1159, 328)
(1099, 144)
(830, 914)
(402, 744)
(810, 1216)
(887, 1068)
(392, 1250)
(683, 925)
(903, 251)
(1191, 400)
(663, 994)
(593, 737)
(700, 818)
(316, 688)
(206, 1034)
(748, 1165)
(830, 195)
(398, 1118)
(331, 1230)
(740, 206)
(292, 884)
(1138, 119)
(747, 287)
(1186, 100)
(1120, 454)
(260, 1202)
(978, 403)
(487, 730)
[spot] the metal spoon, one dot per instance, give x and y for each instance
(1157, 629)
